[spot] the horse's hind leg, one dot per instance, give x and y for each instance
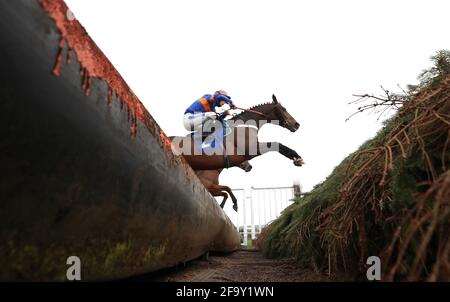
(225, 197)
(217, 192)
(228, 190)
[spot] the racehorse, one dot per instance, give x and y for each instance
(242, 143)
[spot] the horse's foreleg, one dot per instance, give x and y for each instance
(282, 149)
(291, 154)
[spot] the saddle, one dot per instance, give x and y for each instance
(210, 141)
(212, 135)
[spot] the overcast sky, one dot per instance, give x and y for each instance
(312, 54)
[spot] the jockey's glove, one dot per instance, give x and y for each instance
(223, 109)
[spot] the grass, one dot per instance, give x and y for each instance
(390, 198)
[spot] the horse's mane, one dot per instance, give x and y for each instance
(260, 107)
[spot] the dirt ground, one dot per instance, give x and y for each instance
(240, 266)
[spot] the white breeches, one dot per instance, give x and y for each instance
(195, 121)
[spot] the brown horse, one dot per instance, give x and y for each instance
(210, 179)
(242, 143)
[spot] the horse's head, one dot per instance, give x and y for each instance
(280, 113)
(273, 111)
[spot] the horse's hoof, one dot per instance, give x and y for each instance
(299, 162)
(235, 207)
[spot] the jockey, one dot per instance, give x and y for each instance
(206, 108)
